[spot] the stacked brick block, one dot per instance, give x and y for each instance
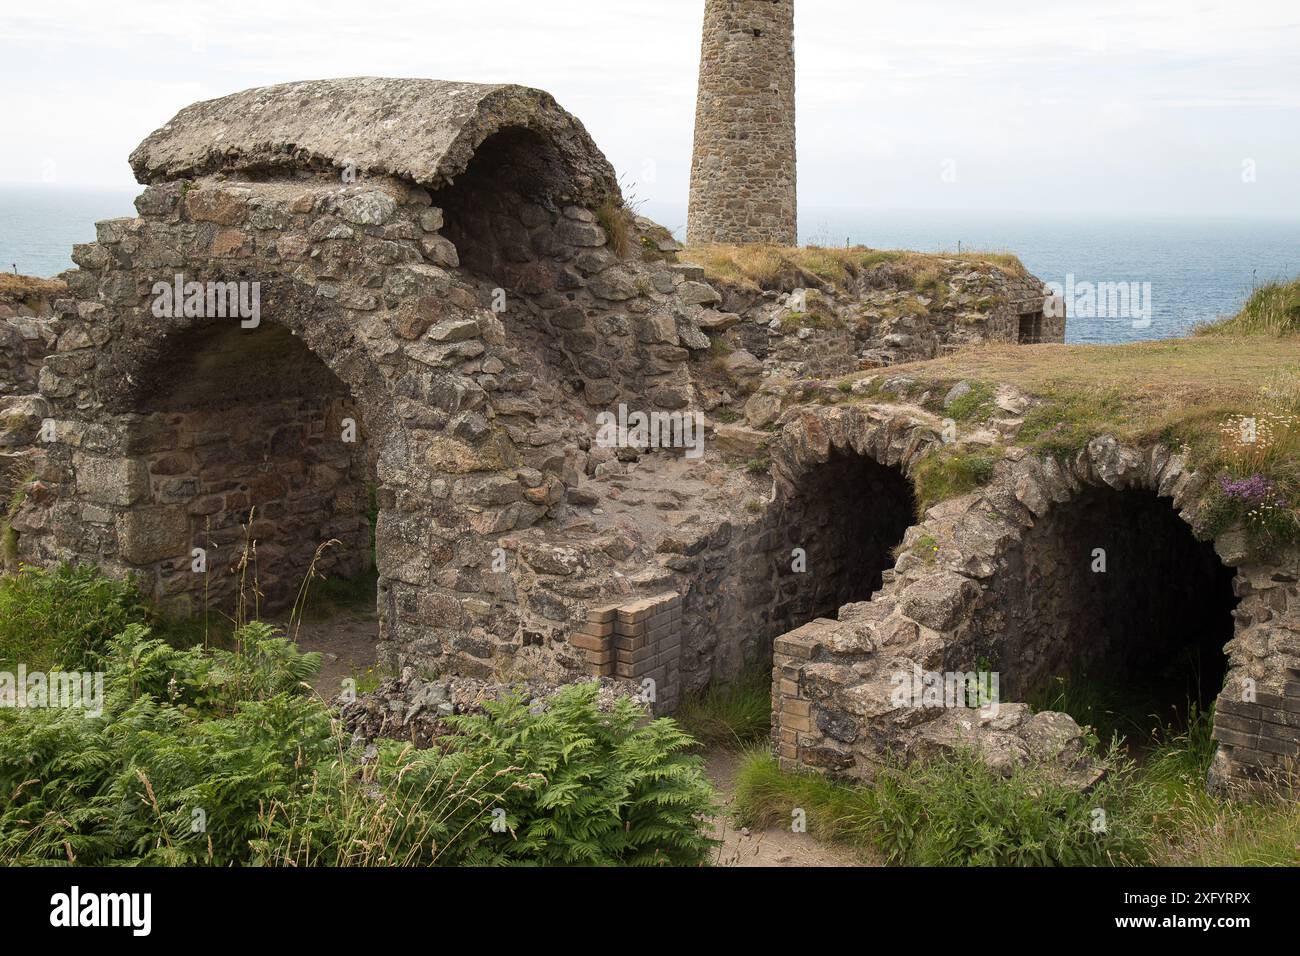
(1262, 735)
(636, 641)
(791, 711)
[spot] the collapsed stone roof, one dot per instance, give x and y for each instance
(426, 131)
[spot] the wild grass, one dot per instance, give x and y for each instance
(949, 472)
(64, 617)
(783, 268)
(956, 812)
(731, 714)
(19, 287)
(1271, 310)
(977, 403)
(617, 221)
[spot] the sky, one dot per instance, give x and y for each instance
(1049, 106)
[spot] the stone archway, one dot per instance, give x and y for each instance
(251, 448)
(1004, 572)
(474, 390)
(1111, 590)
(845, 516)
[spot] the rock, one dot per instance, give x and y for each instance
(713, 321)
(369, 208)
(957, 391)
(743, 364)
(938, 600)
(657, 328)
(698, 293)
(762, 409)
(582, 234)
(545, 559)
(740, 441)
(692, 338)
(453, 330)
(613, 285)
(154, 534)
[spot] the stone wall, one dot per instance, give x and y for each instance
(997, 579)
(880, 319)
(743, 168)
(28, 333)
(170, 430)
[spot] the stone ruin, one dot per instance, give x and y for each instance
(425, 301)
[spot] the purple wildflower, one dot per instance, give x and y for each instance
(1254, 489)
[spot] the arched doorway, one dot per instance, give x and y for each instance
(837, 529)
(1114, 612)
(257, 470)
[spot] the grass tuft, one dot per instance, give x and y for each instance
(1271, 310)
(950, 472)
(735, 714)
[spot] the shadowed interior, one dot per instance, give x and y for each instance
(237, 423)
(1114, 600)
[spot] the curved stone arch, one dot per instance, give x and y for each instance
(834, 681)
(141, 350)
(854, 466)
(432, 130)
(121, 361)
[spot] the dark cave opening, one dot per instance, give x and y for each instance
(847, 517)
(1115, 613)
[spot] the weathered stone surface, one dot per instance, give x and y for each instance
(744, 126)
(433, 131)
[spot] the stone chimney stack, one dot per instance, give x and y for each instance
(743, 168)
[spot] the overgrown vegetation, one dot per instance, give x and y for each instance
(64, 617)
(975, 403)
(1272, 309)
(223, 756)
(784, 268)
(957, 812)
(949, 472)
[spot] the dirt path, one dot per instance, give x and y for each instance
(774, 846)
(346, 642)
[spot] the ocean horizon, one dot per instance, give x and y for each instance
(1186, 270)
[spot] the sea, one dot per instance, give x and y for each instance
(1180, 271)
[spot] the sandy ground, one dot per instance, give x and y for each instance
(346, 642)
(774, 846)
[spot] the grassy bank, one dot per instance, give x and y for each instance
(1229, 403)
(955, 812)
(783, 268)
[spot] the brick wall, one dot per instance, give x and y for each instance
(636, 641)
(1262, 735)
